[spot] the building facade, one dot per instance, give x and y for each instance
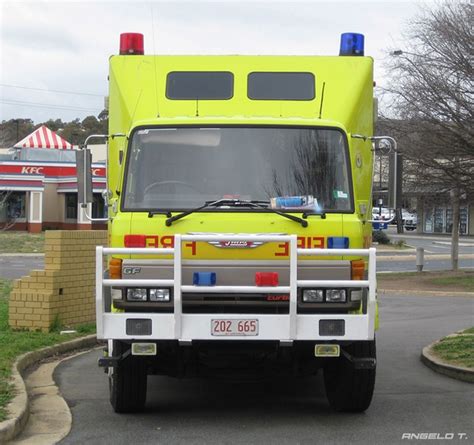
(38, 186)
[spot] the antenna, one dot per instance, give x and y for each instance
(322, 100)
(154, 60)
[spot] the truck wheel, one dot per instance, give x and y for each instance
(127, 382)
(350, 389)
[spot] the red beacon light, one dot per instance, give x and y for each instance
(131, 43)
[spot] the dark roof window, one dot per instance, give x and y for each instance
(281, 86)
(200, 85)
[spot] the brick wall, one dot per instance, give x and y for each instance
(65, 289)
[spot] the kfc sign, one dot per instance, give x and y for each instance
(32, 170)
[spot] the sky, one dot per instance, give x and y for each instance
(49, 50)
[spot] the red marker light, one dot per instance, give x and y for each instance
(266, 278)
(131, 43)
(134, 240)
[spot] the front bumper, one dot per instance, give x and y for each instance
(271, 327)
(189, 327)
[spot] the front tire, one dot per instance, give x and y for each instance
(128, 382)
(349, 389)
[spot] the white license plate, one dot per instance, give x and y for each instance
(241, 327)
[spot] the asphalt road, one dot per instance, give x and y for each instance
(409, 398)
(432, 243)
(15, 266)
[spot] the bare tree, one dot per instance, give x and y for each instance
(430, 105)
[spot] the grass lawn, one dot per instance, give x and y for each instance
(461, 281)
(457, 350)
(21, 242)
(15, 343)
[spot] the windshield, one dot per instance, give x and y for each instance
(181, 168)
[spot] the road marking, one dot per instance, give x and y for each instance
(448, 243)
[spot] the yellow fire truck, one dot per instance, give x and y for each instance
(239, 218)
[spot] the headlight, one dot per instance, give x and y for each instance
(136, 294)
(336, 295)
(313, 295)
(159, 295)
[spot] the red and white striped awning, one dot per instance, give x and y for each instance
(43, 137)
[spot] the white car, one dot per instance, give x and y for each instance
(409, 220)
(384, 214)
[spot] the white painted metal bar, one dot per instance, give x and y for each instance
(267, 238)
(333, 252)
(236, 289)
(293, 287)
(137, 283)
(372, 274)
(99, 303)
(333, 283)
(372, 300)
(137, 251)
(178, 306)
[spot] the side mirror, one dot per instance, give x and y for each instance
(395, 180)
(84, 175)
(387, 146)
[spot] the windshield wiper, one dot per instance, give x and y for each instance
(236, 202)
(170, 220)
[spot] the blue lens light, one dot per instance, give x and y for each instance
(352, 44)
(338, 242)
(204, 278)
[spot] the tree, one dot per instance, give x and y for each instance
(76, 131)
(14, 130)
(430, 104)
(54, 125)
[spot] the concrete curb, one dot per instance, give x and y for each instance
(455, 372)
(19, 406)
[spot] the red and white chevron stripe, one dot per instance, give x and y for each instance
(43, 137)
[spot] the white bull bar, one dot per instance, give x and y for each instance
(188, 327)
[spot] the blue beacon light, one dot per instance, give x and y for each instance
(204, 278)
(352, 44)
(338, 242)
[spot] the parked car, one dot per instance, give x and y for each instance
(383, 214)
(409, 221)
